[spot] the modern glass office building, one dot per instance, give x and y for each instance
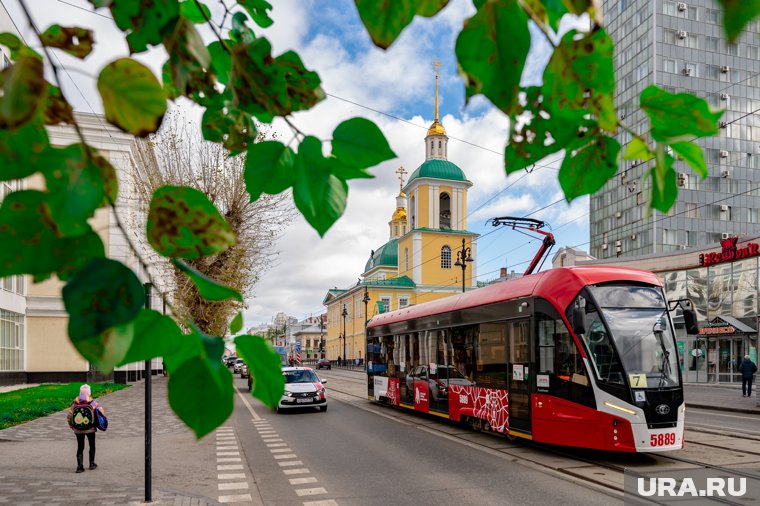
(680, 47)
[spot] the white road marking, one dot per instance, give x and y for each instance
(303, 470)
(288, 456)
(290, 463)
(280, 450)
(328, 502)
(241, 485)
(227, 454)
(229, 467)
(231, 476)
(248, 405)
(302, 481)
(223, 448)
(228, 459)
(310, 491)
(275, 445)
(235, 498)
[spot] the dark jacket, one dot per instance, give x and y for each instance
(747, 368)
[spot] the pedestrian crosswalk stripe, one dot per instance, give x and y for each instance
(290, 463)
(229, 467)
(280, 450)
(288, 456)
(327, 502)
(302, 481)
(310, 491)
(234, 486)
(235, 498)
(230, 476)
(228, 459)
(303, 470)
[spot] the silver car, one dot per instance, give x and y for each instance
(303, 388)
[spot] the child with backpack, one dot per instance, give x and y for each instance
(83, 421)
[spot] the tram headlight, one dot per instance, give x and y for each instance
(621, 408)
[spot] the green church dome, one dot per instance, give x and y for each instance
(439, 169)
(386, 255)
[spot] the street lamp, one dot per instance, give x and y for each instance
(366, 319)
(344, 314)
(463, 257)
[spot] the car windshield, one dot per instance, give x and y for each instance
(300, 376)
(637, 318)
(450, 372)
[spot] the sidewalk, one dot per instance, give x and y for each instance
(38, 457)
(721, 397)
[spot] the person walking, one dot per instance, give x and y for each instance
(81, 419)
(747, 368)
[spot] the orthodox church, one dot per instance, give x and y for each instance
(427, 246)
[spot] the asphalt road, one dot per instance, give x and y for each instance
(705, 419)
(356, 457)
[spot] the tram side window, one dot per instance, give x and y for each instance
(491, 355)
(463, 350)
(558, 357)
(379, 354)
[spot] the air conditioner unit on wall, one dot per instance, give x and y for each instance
(724, 96)
(724, 173)
(618, 243)
(724, 208)
(723, 153)
(723, 124)
(686, 72)
(633, 237)
(681, 6)
(618, 214)
(683, 34)
(725, 235)
(681, 179)
(725, 69)
(604, 246)
(681, 246)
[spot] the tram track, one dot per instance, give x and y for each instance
(589, 460)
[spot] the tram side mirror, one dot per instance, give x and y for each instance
(690, 320)
(579, 323)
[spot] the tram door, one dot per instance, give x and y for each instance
(520, 374)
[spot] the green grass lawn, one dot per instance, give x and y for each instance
(26, 404)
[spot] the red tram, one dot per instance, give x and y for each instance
(578, 356)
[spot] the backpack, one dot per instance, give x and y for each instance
(82, 416)
(101, 422)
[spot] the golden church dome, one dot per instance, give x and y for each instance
(399, 214)
(436, 128)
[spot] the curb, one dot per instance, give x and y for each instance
(721, 408)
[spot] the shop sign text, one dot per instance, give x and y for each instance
(730, 252)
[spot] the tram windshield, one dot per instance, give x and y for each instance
(637, 319)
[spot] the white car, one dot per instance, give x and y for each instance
(303, 388)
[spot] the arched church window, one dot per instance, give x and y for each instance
(445, 257)
(412, 215)
(406, 259)
(444, 219)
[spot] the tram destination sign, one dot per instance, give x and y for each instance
(729, 252)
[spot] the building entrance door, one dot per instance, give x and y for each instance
(730, 354)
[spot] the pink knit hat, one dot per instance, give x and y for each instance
(84, 392)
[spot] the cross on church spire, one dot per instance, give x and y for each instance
(400, 171)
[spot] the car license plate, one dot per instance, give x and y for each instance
(303, 401)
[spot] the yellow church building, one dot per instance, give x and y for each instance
(428, 243)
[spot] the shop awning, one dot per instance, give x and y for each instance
(725, 325)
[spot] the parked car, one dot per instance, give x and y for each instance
(238, 365)
(302, 389)
(439, 381)
(244, 371)
(230, 360)
(323, 363)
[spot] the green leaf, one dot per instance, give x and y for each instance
(109, 177)
(429, 8)
(24, 151)
(737, 14)
(145, 21)
(269, 168)
(258, 11)
(265, 86)
(545, 11)
(346, 172)
(531, 139)
(191, 10)
(197, 372)
(358, 142)
(675, 116)
(189, 61)
(183, 223)
(57, 109)
(638, 150)
(208, 288)
(23, 89)
(385, 20)
(264, 365)
(76, 189)
(12, 42)
(237, 323)
(691, 154)
(74, 40)
(221, 61)
(492, 49)
(155, 335)
(30, 241)
(229, 125)
(132, 97)
(318, 194)
(581, 76)
(588, 166)
(104, 294)
(108, 349)
(664, 181)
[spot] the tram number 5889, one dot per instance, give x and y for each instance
(663, 439)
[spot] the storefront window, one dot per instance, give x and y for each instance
(744, 285)
(696, 291)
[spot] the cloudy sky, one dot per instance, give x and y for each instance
(393, 88)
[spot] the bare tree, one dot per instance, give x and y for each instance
(177, 155)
